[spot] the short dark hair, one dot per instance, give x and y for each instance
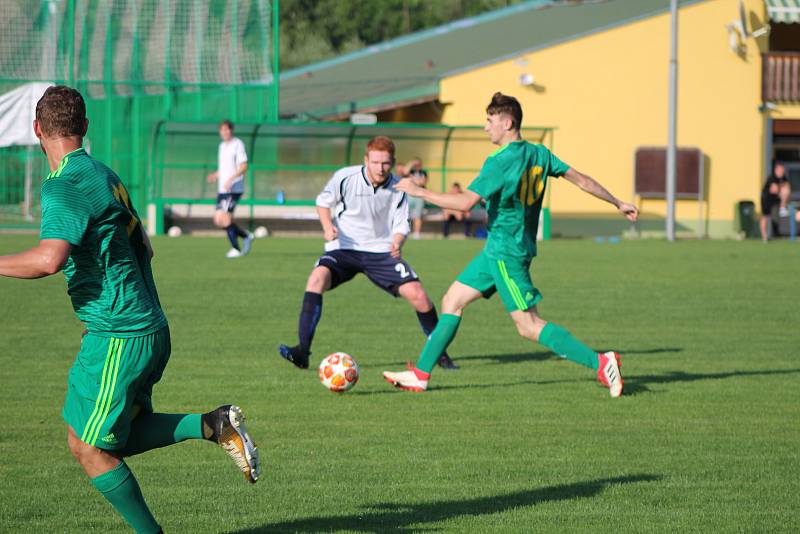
(61, 112)
(227, 123)
(508, 105)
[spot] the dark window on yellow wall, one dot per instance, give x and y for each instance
(784, 37)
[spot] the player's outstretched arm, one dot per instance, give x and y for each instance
(43, 260)
(463, 201)
(593, 187)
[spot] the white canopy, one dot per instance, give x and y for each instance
(17, 111)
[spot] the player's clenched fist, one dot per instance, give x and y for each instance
(409, 186)
(630, 211)
(330, 233)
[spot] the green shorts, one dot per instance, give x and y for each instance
(110, 376)
(511, 277)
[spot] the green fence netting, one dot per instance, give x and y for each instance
(137, 63)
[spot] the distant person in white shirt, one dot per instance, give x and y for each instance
(231, 167)
(365, 222)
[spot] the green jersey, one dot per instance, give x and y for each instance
(108, 271)
(512, 181)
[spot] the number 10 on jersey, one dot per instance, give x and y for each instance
(531, 186)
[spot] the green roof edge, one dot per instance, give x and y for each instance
(404, 94)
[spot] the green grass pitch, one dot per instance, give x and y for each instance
(706, 438)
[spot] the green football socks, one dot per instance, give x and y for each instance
(153, 430)
(120, 488)
(438, 341)
(567, 346)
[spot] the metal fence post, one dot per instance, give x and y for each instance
(276, 60)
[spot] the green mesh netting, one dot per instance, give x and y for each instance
(137, 45)
(137, 63)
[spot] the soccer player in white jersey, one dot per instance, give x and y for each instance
(365, 222)
(231, 168)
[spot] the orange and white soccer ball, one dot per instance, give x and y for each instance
(338, 372)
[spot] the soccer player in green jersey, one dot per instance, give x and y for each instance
(90, 231)
(512, 181)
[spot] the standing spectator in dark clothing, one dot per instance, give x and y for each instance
(776, 191)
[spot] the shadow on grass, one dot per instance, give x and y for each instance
(385, 517)
(639, 383)
(437, 387)
(538, 356)
(542, 355)
(496, 358)
(634, 384)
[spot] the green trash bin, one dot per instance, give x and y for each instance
(745, 219)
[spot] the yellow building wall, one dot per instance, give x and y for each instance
(785, 111)
(607, 94)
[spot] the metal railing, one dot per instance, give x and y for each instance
(780, 80)
(289, 163)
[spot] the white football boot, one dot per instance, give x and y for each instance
(608, 372)
(233, 253)
(406, 380)
(225, 426)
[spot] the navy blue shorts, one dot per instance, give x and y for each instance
(227, 201)
(381, 268)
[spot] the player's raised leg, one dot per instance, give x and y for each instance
(112, 477)
(146, 430)
(514, 285)
(223, 426)
(458, 297)
(109, 413)
(531, 326)
(319, 281)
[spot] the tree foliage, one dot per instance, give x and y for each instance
(313, 30)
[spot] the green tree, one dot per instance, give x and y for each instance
(314, 30)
